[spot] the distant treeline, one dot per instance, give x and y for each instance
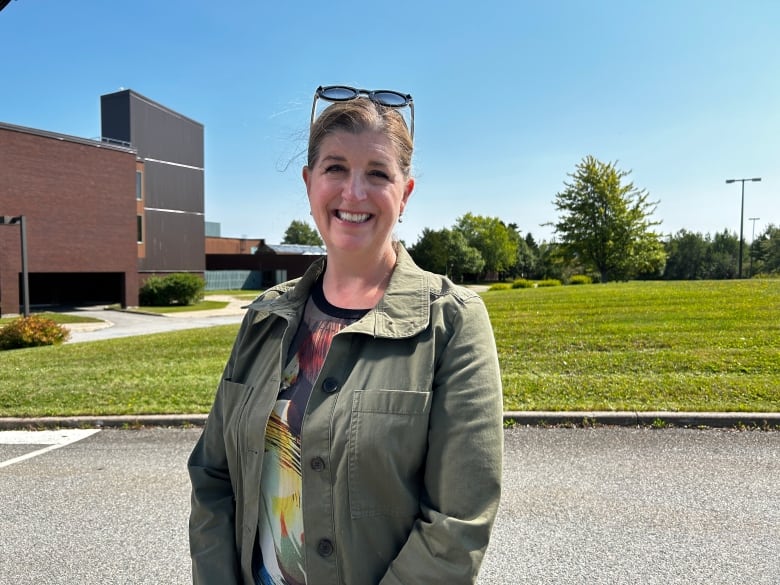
(499, 251)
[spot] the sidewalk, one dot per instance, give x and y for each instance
(234, 307)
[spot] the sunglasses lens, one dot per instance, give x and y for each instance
(338, 93)
(390, 99)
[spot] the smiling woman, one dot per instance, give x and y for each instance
(343, 462)
(357, 193)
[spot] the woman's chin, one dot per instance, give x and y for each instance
(353, 245)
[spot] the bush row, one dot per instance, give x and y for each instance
(525, 283)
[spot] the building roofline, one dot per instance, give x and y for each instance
(66, 138)
(153, 103)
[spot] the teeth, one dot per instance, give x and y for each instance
(353, 217)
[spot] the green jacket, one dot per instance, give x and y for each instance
(402, 439)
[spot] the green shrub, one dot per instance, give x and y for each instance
(549, 282)
(522, 283)
(500, 286)
(184, 288)
(580, 279)
(181, 288)
(32, 331)
(151, 292)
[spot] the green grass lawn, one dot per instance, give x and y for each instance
(161, 373)
(696, 346)
(688, 346)
(243, 294)
(205, 305)
(61, 318)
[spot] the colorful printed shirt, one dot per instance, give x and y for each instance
(281, 519)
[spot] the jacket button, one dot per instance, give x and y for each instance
(324, 547)
(330, 385)
(317, 464)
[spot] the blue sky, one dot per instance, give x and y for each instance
(509, 96)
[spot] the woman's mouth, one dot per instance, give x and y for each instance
(353, 217)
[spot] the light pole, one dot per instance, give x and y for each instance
(752, 240)
(10, 220)
(741, 215)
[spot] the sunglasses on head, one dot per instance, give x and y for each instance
(383, 97)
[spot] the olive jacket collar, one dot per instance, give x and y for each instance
(403, 311)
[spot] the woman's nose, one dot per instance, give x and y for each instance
(356, 188)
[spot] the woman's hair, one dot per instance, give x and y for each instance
(360, 115)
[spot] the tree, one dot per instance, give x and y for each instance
(766, 251)
(605, 224)
(430, 251)
(526, 256)
(529, 239)
(446, 252)
(491, 237)
(463, 259)
(721, 259)
(300, 232)
(550, 262)
(686, 252)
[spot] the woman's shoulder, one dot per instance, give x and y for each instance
(442, 286)
(275, 291)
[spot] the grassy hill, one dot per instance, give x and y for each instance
(691, 346)
(702, 345)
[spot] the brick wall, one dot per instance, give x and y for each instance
(78, 199)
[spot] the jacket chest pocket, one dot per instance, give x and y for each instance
(387, 444)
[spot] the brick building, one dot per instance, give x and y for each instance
(78, 200)
(101, 215)
(252, 264)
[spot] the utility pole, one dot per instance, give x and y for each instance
(741, 216)
(752, 239)
(11, 220)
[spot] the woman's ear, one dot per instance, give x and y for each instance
(407, 193)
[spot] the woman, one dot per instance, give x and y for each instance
(356, 434)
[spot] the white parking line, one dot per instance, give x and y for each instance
(52, 440)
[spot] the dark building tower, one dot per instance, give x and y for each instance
(169, 180)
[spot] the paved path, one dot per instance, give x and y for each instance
(115, 324)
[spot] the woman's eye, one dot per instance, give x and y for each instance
(334, 169)
(379, 174)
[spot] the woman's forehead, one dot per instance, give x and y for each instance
(368, 142)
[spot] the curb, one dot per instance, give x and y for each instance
(659, 419)
(766, 420)
(119, 421)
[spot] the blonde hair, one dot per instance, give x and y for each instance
(360, 115)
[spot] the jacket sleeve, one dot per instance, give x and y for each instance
(462, 476)
(212, 517)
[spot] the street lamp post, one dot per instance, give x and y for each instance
(10, 220)
(741, 215)
(752, 240)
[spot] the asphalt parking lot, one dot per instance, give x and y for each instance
(599, 505)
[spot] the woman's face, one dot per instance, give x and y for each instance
(357, 191)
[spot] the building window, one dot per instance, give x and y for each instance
(139, 185)
(140, 228)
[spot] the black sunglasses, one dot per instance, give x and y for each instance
(383, 97)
